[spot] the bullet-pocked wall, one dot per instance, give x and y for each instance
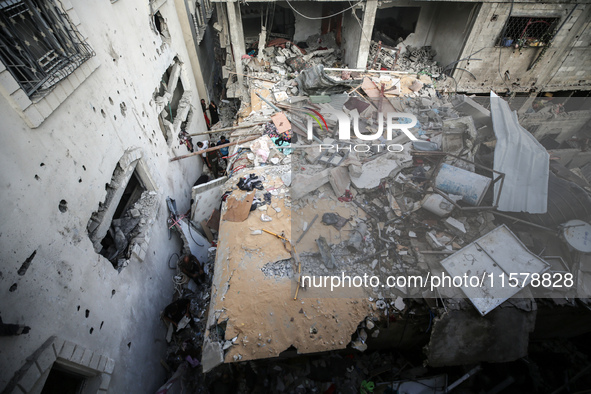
(58, 155)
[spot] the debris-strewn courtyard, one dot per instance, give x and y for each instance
(334, 176)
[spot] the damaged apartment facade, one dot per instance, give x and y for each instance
(100, 100)
(96, 97)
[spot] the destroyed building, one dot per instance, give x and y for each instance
(129, 265)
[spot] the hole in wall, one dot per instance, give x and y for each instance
(129, 345)
(103, 113)
(94, 109)
(13, 287)
(115, 229)
(160, 25)
(111, 101)
(101, 327)
(79, 180)
(91, 330)
(123, 108)
(113, 293)
(78, 308)
(25, 266)
(87, 313)
(63, 207)
(37, 177)
(41, 165)
(84, 167)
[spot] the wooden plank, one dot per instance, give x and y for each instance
(207, 232)
(373, 92)
(214, 148)
(244, 126)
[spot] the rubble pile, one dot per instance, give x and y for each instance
(368, 175)
(404, 58)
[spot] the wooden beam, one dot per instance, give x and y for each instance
(214, 148)
(228, 129)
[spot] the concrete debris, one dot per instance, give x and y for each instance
(327, 147)
(374, 171)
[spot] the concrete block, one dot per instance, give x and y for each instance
(67, 86)
(105, 381)
(60, 93)
(46, 359)
(94, 361)
(74, 80)
(455, 226)
(339, 180)
(78, 354)
(74, 17)
(67, 350)
(102, 363)
(44, 108)
(33, 116)
(67, 5)
(86, 358)
(21, 99)
(52, 100)
(8, 82)
(57, 345)
(212, 355)
(374, 171)
(304, 184)
(2, 67)
(109, 366)
(29, 378)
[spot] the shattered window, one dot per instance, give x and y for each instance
(39, 45)
(527, 31)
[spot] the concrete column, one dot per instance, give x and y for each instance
(184, 15)
(236, 37)
(369, 17)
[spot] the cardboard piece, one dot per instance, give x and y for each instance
(238, 210)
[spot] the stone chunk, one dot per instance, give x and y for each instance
(339, 180)
(304, 184)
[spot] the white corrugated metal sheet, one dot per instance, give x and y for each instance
(523, 160)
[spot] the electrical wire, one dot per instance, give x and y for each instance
(171, 256)
(321, 17)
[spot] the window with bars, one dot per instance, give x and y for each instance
(528, 31)
(39, 45)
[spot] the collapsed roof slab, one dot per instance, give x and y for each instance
(260, 310)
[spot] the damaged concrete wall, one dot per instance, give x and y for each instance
(565, 65)
(560, 127)
(54, 178)
(304, 27)
(351, 35)
(424, 30)
(453, 25)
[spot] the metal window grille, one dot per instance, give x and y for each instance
(526, 31)
(39, 45)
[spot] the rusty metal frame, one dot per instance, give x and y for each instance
(500, 177)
